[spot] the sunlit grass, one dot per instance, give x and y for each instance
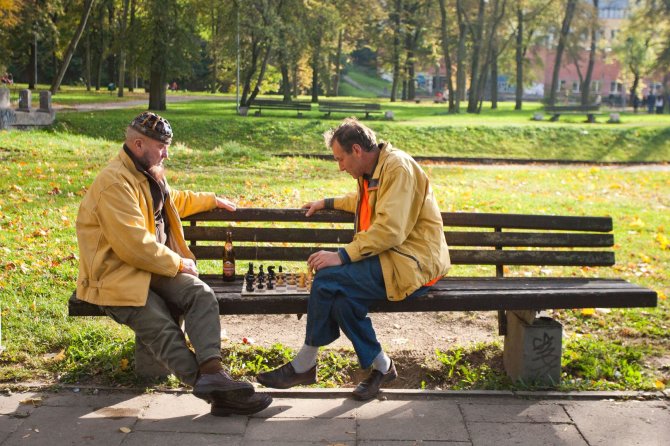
(45, 173)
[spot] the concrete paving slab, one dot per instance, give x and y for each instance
(12, 403)
(55, 426)
(412, 443)
(308, 430)
(9, 425)
(536, 434)
(68, 398)
(516, 411)
(186, 413)
(622, 423)
(298, 443)
(311, 408)
(411, 420)
(181, 439)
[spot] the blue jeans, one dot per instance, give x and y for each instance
(340, 299)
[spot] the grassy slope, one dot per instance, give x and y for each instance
(420, 129)
(44, 174)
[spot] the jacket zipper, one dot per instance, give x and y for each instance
(409, 257)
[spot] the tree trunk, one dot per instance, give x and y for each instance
(447, 56)
(87, 62)
(122, 49)
(586, 85)
(338, 57)
(132, 69)
(261, 74)
(315, 72)
(411, 87)
(157, 90)
(396, 49)
(460, 56)
(477, 34)
(518, 93)
(73, 46)
(285, 82)
(565, 29)
(32, 69)
(494, 77)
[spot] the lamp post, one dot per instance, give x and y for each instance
(237, 82)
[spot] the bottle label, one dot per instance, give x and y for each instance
(228, 269)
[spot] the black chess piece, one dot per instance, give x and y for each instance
(271, 277)
(249, 279)
(261, 278)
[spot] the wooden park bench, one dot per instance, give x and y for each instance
(349, 107)
(275, 104)
(532, 347)
(557, 110)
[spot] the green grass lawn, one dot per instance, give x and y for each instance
(420, 129)
(44, 174)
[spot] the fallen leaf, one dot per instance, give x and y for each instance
(125, 430)
(588, 311)
(659, 384)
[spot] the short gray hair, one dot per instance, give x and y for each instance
(351, 132)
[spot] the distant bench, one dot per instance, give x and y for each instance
(349, 107)
(275, 104)
(557, 110)
(532, 347)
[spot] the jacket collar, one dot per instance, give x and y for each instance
(130, 165)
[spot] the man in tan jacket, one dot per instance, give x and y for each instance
(397, 253)
(134, 263)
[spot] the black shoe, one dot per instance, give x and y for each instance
(286, 376)
(369, 387)
(235, 405)
(211, 386)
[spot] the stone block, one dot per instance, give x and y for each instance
(4, 97)
(533, 351)
(25, 96)
(45, 101)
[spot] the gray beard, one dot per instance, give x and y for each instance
(157, 172)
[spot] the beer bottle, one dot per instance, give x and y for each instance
(228, 259)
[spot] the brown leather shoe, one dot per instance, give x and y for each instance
(286, 376)
(369, 387)
(237, 404)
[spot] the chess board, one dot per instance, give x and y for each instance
(275, 291)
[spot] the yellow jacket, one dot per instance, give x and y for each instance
(118, 250)
(406, 229)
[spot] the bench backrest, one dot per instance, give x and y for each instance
(575, 108)
(473, 238)
(269, 103)
(349, 105)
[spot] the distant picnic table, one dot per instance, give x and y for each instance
(349, 107)
(557, 110)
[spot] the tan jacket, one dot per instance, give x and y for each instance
(118, 250)
(406, 229)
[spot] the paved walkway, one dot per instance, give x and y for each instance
(327, 417)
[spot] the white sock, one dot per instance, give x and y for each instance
(381, 362)
(305, 359)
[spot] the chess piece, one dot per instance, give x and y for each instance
(249, 280)
(260, 286)
(301, 281)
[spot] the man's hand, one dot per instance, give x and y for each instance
(313, 206)
(225, 203)
(323, 259)
(188, 267)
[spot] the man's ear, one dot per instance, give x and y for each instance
(356, 149)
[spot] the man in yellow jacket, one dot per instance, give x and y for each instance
(134, 263)
(398, 252)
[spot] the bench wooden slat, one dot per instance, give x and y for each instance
(462, 219)
(458, 256)
(450, 294)
(343, 236)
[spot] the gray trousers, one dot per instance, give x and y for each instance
(156, 328)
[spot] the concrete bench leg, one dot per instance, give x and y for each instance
(532, 352)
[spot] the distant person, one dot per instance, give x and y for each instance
(134, 264)
(398, 252)
(651, 102)
(659, 104)
(174, 86)
(636, 102)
